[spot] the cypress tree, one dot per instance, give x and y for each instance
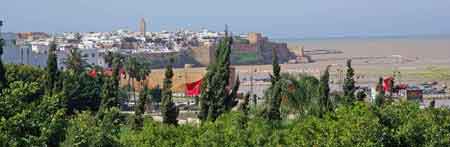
(155, 95)
(231, 100)
(391, 89)
(140, 109)
(75, 62)
(168, 110)
(360, 95)
(216, 98)
(433, 103)
(379, 98)
(109, 56)
(245, 109)
(111, 86)
(109, 98)
(255, 100)
(245, 105)
(3, 80)
(272, 111)
(117, 65)
(52, 69)
(141, 76)
(349, 83)
(275, 68)
(324, 91)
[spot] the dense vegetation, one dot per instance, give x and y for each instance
(49, 107)
(400, 124)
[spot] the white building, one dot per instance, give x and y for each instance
(40, 47)
(93, 57)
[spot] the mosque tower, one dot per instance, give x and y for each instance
(142, 26)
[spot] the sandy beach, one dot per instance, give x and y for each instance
(433, 50)
(372, 58)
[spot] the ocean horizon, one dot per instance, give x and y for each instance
(319, 38)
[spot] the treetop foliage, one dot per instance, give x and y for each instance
(349, 83)
(169, 111)
(216, 98)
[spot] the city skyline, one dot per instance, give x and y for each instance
(287, 19)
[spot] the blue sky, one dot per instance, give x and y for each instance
(276, 18)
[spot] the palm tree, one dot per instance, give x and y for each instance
(132, 68)
(74, 61)
(299, 92)
(143, 70)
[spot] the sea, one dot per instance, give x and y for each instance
(431, 49)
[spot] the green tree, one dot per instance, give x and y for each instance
(360, 95)
(349, 83)
(86, 130)
(405, 124)
(155, 97)
(75, 62)
(110, 90)
(325, 102)
(215, 99)
(25, 73)
(244, 108)
(273, 99)
(391, 88)
(33, 123)
(231, 100)
(108, 58)
(18, 97)
(117, 65)
(142, 71)
(432, 103)
(132, 67)
(52, 69)
(3, 80)
(380, 96)
(81, 91)
(275, 67)
(349, 126)
(140, 109)
(255, 100)
(169, 111)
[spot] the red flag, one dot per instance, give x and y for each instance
(193, 89)
(387, 83)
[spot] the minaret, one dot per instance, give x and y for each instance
(142, 26)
